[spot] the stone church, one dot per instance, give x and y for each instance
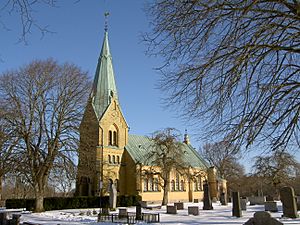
(109, 155)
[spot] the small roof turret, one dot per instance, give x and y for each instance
(186, 139)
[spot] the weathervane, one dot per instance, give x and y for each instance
(106, 14)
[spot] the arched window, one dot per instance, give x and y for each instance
(172, 185)
(115, 139)
(150, 185)
(145, 184)
(118, 159)
(200, 184)
(177, 187)
(182, 187)
(155, 184)
(110, 182)
(114, 159)
(109, 158)
(110, 138)
(195, 185)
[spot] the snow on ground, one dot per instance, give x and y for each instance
(219, 215)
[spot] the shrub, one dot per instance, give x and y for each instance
(57, 203)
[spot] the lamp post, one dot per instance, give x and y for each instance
(100, 195)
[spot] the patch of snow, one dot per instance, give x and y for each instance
(219, 215)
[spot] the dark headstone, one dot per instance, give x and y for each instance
(243, 202)
(207, 204)
(269, 198)
(257, 200)
(223, 199)
(105, 211)
(122, 212)
(193, 210)
(179, 205)
(262, 218)
(15, 219)
(3, 218)
(138, 212)
(271, 206)
(171, 209)
(236, 204)
(289, 206)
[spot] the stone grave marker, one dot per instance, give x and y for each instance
(207, 204)
(289, 206)
(236, 204)
(138, 211)
(262, 218)
(112, 196)
(171, 209)
(223, 199)
(122, 212)
(243, 202)
(193, 210)
(257, 200)
(179, 205)
(271, 206)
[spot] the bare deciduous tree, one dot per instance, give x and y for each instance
(25, 10)
(276, 169)
(223, 156)
(8, 140)
(63, 175)
(165, 155)
(47, 100)
(232, 63)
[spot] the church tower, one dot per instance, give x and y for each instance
(103, 131)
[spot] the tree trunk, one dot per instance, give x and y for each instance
(1, 177)
(39, 194)
(166, 193)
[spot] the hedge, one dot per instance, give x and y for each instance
(57, 203)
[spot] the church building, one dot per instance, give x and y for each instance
(108, 154)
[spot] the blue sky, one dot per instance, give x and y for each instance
(78, 30)
(77, 33)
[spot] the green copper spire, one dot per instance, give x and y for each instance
(104, 87)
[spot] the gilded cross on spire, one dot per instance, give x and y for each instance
(106, 14)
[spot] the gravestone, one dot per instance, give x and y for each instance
(105, 211)
(223, 199)
(236, 204)
(138, 212)
(179, 205)
(257, 200)
(262, 218)
(271, 206)
(3, 217)
(144, 204)
(193, 210)
(15, 219)
(243, 203)
(112, 196)
(288, 200)
(207, 204)
(122, 212)
(171, 209)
